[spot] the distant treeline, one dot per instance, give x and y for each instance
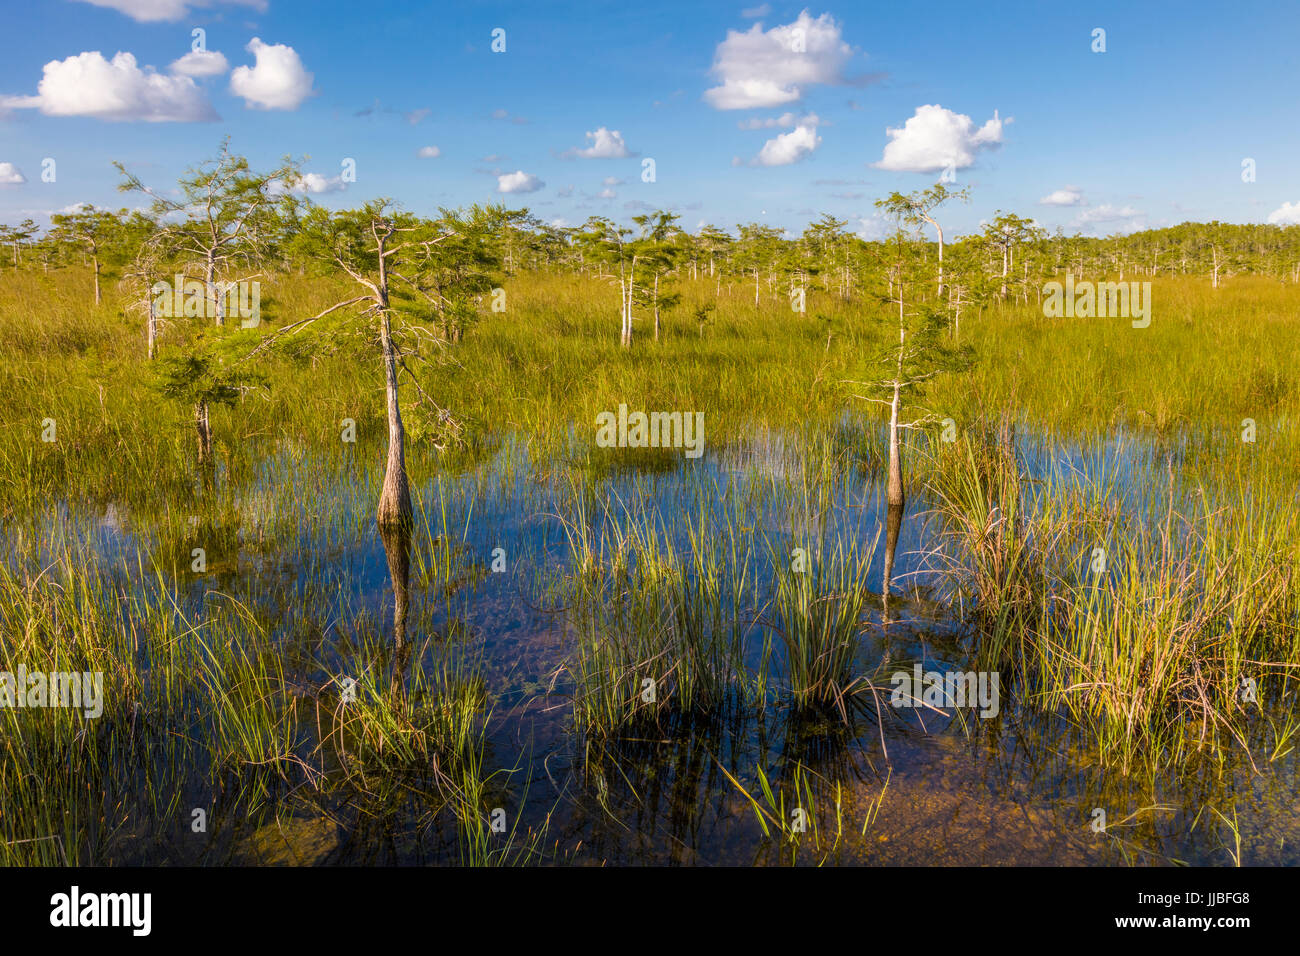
(229, 221)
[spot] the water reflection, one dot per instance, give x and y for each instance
(893, 524)
(1015, 789)
(396, 540)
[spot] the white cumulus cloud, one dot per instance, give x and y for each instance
(313, 183)
(277, 79)
(154, 11)
(201, 63)
(117, 89)
(518, 182)
(605, 144)
(428, 152)
(11, 175)
(1067, 196)
(1287, 214)
(790, 147)
(316, 183)
(1110, 219)
(935, 138)
(761, 68)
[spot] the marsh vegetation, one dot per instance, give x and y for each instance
(385, 600)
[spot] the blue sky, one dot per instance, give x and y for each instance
(1151, 132)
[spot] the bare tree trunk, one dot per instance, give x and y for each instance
(895, 456)
(625, 331)
(204, 429)
(209, 273)
(656, 307)
(152, 328)
(97, 296)
(627, 307)
(625, 334)
(893, 524)
(395, 498)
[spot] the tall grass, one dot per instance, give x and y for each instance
(1161, 631)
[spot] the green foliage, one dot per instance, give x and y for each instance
(210, 367)
(225, 217)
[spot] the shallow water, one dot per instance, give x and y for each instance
(916, 788)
